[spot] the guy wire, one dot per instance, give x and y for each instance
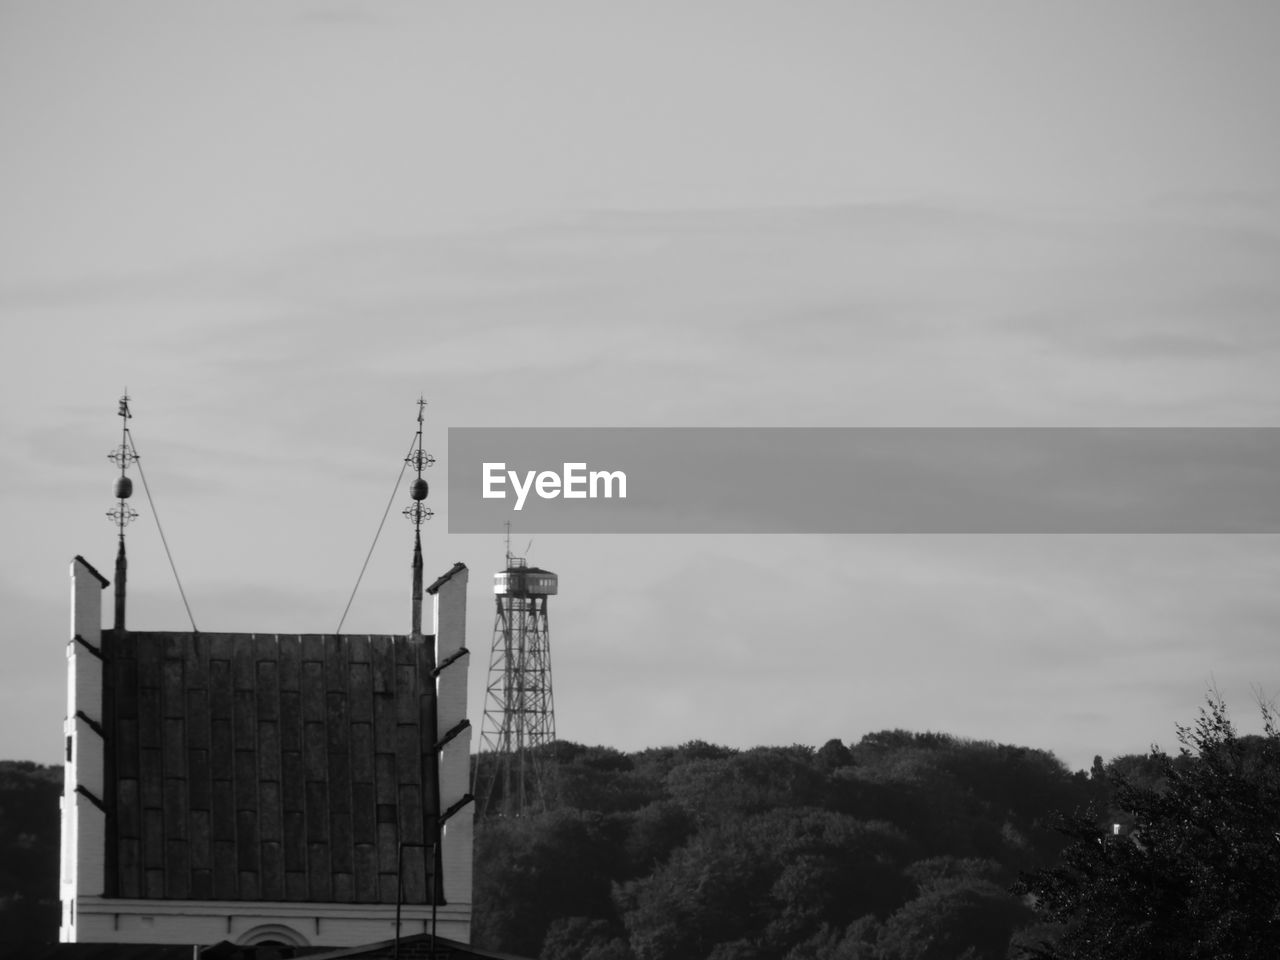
(172, 566)
(394, 491)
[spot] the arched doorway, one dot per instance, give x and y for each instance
(273, 933)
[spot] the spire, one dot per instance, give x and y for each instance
(417, 512)
(122, 514)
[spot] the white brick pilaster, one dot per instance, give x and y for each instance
(455, 758)
(83, 821)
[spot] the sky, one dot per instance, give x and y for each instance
(277, 225)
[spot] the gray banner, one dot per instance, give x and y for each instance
(865, 480)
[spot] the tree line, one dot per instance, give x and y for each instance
(901, 846)
(30, 831)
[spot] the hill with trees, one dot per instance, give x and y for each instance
(903, 846)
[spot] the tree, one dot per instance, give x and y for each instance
(961, 918)
(584, 938)
(1198, 874)
(765, 778)
(532, 870)
(653, 833)
(601, 779)
(29, 835)
(768, 882)
(833, 754)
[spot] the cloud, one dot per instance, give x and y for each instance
(280, 389)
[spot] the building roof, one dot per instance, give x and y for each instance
(416, 947)
(90, 567)
(441, 580)
(268, 767)
(96, 951)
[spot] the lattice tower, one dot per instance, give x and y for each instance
(515, 771)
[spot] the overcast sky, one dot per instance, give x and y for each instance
(277, 224)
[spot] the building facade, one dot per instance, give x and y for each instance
(299, 789)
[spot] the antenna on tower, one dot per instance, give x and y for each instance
(122, 514)
(417, 512)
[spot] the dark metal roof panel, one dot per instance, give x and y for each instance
(268, 767)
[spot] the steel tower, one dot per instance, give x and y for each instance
(515, 771)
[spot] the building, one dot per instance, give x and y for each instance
(416, 947)
(303, 790)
